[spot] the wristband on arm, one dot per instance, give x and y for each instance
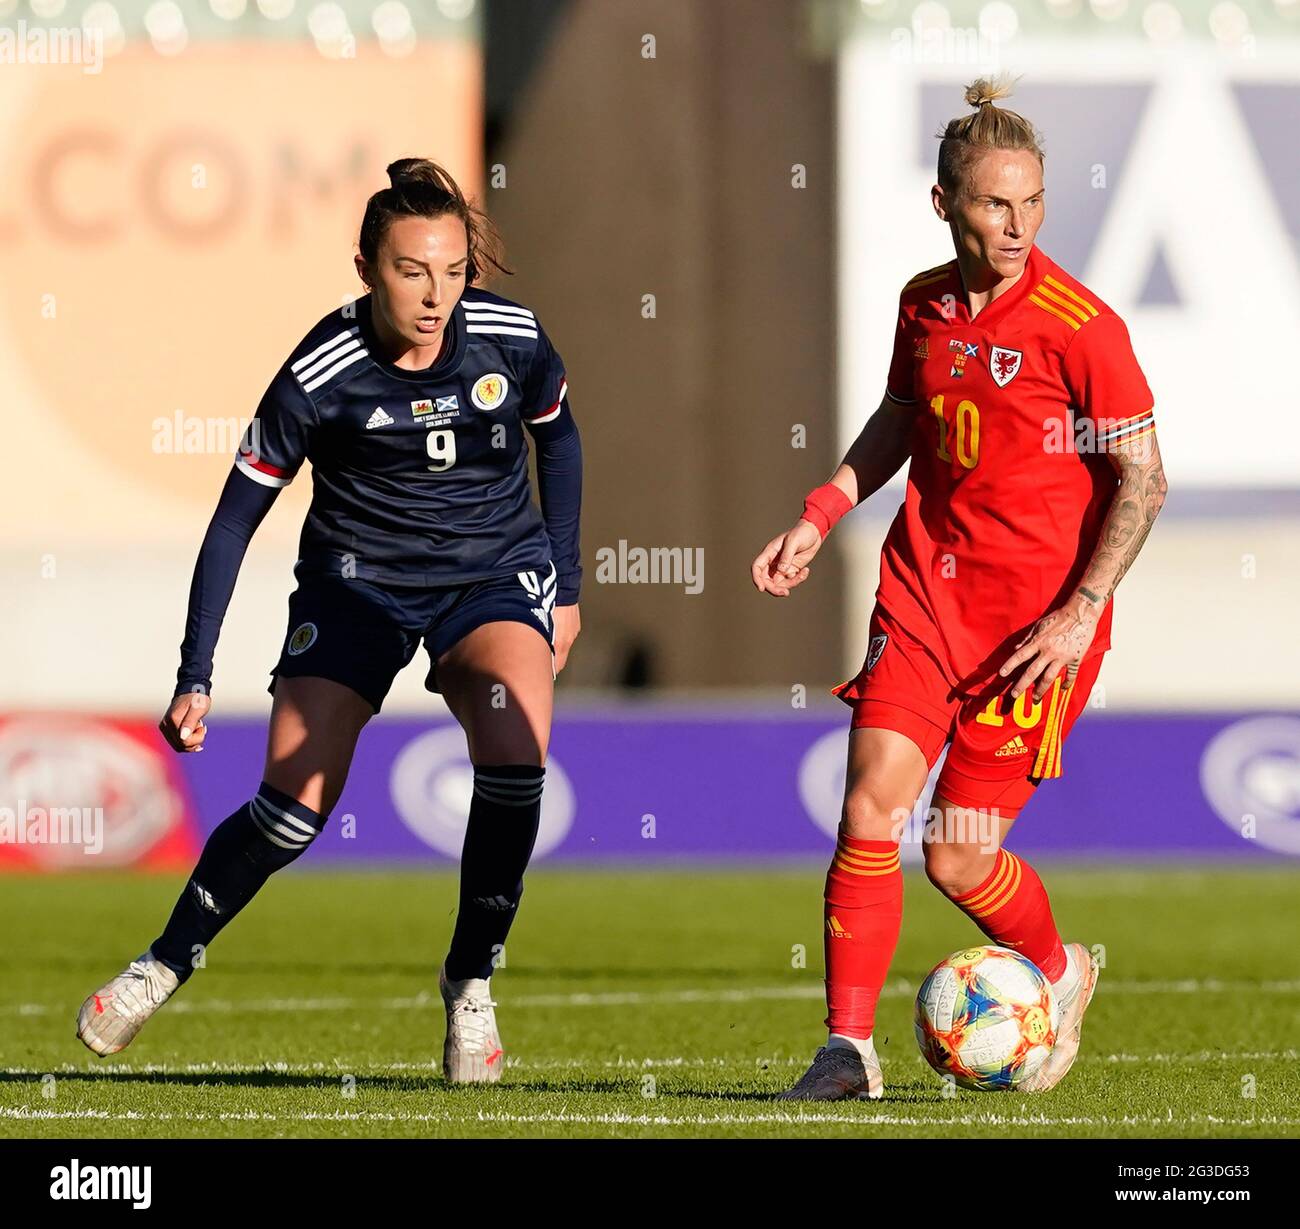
(824, 506)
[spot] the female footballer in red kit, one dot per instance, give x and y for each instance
(1034, 480)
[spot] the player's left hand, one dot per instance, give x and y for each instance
(568, 623)
(1058, 641)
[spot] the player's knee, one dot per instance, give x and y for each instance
(497, 738)
(869, 815)
(955, 868)
(512, 751)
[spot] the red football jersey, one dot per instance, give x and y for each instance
(1008, 485)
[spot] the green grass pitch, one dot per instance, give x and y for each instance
(634, 1002)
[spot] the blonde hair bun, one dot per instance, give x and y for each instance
(988, 89)
(963, 140)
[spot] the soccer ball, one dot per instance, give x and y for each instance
(987, 1017)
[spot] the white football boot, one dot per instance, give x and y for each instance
(472, 1052)
(111, 1017)
(1073, 997)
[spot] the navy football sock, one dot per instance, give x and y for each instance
(503, 820)
(244, 850)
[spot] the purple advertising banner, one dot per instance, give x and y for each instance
(668, 782)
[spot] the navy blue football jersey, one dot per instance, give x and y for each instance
(418, 477)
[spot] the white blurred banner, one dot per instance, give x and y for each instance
(1173, 192)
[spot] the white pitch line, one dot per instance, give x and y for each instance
(630, 1065)
(431, 1065)
(637, 998)
(799, 1118)
(1201, 1056)
(990, 1120)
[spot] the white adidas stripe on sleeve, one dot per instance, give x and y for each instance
(483, 305)
(500, 329)
(329, 345)
(486, 317)
(333, 371)
(327, 360)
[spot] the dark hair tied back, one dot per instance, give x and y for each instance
(419, 188)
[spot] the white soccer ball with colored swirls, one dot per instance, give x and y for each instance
(987, 1017)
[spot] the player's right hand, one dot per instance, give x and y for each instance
(783, 562)
(182, 724)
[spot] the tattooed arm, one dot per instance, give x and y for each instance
(1059, 640)
(1133, 510)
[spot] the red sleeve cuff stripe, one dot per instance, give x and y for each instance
(547, 414)
(267, 475)
(264, 466)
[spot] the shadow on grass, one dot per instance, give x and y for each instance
(666, 1101)
(326, 1082)
(238, 1079)
(895, 1096)
(329, 1080)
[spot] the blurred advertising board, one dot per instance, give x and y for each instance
(659, 783)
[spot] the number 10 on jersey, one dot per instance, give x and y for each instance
(964, 433)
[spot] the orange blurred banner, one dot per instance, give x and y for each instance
(169, 228)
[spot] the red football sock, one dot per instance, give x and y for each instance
(1012, 909)
(864, 913)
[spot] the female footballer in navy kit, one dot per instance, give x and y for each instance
(411, 405)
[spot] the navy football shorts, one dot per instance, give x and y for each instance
(360, 634)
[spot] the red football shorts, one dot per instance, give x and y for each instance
(1001, 748)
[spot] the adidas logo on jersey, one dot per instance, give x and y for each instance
(380, 418)
(1013, 746)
